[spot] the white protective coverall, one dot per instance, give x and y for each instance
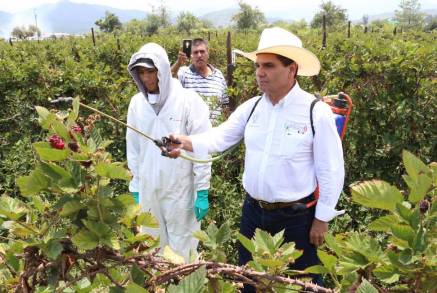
(167, 187)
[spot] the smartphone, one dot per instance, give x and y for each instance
(186, 47)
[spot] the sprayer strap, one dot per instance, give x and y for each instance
(311, 114)
(253, 109)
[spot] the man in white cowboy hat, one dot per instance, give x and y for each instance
(285, 159)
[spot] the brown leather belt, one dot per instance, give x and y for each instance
(301, 203)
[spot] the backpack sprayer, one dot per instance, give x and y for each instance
(341, 106)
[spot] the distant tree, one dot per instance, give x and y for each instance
(248, 17)
(335, 15)
(163, 14)
(152, 24)
(382, 25)
(365, 19)
(206, 23)
(136, 27)
(186, 22)
(159, 18)
(18, 32)
(409, 15)
(298, 25)
(293, 26)
(109, 23)
(430, 23)
(21, 32)
(33, 30)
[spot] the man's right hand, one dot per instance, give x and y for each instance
(179, 142)
(182, 59)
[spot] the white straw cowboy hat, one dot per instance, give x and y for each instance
(281, 42)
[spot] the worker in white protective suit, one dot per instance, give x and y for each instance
(174, 191)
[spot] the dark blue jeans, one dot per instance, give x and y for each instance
(297, 225)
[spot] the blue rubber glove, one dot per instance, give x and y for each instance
(201, 205)
(136, 197)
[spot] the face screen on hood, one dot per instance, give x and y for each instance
(144, 62)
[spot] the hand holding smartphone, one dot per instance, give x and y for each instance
(186, 47)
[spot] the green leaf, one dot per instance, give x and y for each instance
(34, 183)
(12, 208)
(419, 242)
(201, 235)
(415, 218)
(366, 287)
(20, 230)
(13, 261)
(246, 242)
(100, 229)
(387, 273)
(113, 171)
(433, 167)
(419, 187)
(212, 230)
(105, 143)
(264, 241)
(47, 153)
(317, 269)
(278, 239)
(111, 241)
(414, 166)
(104, 192)
(124, 201)
(193, 283)
(115, 289)
(376, 194)
(404, 211)
(39, 204)
(332, 243)
(61, 130)
(95, 135)
(55, 172)
(147, 220)
(45, 117)
(383, 224)
(134, 288)
(327, 260)
(77, 173)
(91, 145)
(85, 240)
(60, 177)
(172, 256)
(72, 116)
(53, 249)
(403, 232)
(406, 256)
(130, 213)
(71, 207)
(270, 262)
(137, 275)
(223, 233)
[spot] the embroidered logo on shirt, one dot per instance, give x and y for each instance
(254, 118)
(174, 119)
(293, 127)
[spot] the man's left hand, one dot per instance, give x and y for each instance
(317, 232)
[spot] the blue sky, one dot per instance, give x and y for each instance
(289, 9)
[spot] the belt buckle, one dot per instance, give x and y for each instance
(264, 205)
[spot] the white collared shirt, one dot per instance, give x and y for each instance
(283, 160)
